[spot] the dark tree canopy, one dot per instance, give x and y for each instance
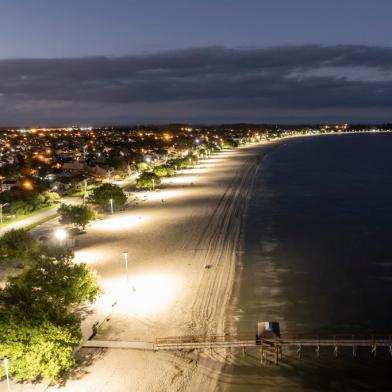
(19, 246)
(78, 215)
(106, 192)
(148, 180)
(39, 326)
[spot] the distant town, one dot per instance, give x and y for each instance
(40, 165)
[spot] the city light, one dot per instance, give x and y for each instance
(60, 234)
(27, 185)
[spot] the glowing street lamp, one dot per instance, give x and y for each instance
(111, 206)
(5, 363)
(27, 185)
(60, 235)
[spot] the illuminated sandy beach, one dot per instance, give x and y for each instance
(171, 237)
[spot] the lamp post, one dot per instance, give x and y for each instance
(125, 254)
(1, 211)
(5, 363)
(60, 235)
(111, 205)
(85, 191)
(153, 184)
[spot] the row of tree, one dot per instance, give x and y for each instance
(150, 177)
(106, 196)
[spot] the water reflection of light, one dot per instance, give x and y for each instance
(118, 223)
(144, 294)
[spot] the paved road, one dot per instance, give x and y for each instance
(51, 212)
(40, 216)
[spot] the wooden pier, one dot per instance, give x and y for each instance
(271, 350)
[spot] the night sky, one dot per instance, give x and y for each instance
(127, 62)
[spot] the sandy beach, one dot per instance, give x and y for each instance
(171, 235)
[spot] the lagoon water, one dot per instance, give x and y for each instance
(317, 257)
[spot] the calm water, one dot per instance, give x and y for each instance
(317, 244)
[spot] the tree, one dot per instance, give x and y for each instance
(39, 325)
(18, 246)
(106, 192)
(50, 197)
(164, 171)
(143, 166)
(51, 287)
(26, 345)
(230, 143)
(148, 180)
(79, 215)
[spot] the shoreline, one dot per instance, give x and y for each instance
(214, 363)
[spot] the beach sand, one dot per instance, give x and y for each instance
(171, 236)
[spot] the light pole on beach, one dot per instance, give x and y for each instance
(5, 363)
(153, 184)
(111, 206)
(125, 254)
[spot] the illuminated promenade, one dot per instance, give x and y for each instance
(171, 237)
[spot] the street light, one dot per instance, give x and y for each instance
(1, 211)
(111, 205)
(84, 191)
(60, 235)
(125, 254)
(5, 363)
(153, 184)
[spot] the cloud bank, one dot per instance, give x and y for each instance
(213, 84)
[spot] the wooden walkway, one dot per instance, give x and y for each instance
(273, 345)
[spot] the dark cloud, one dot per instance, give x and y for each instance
(210, 84)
